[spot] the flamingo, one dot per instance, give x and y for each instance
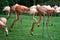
(3, 24)
(42, 10)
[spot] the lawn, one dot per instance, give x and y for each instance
(22, 31)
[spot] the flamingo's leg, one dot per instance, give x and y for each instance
(21, 22)
(47, 20)
(39, 19)
(36, 22)
(14, 22)
(43, 24)
(6, 31)
(32, 29)
(47, 26)
(9, 14)
(34, 17)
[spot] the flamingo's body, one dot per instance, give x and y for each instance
(3, 24)
(19, 8)
(46, 9)
(33, 9)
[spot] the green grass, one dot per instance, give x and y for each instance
(27, 21)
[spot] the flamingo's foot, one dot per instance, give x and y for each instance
(6, 35)
(32, 33)
(51, 24)
(38, 25)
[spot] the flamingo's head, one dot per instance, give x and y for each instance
(6, 8)
(55, 6)
(38, 5)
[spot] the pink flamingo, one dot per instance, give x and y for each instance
(42, 10)
(3, 25)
